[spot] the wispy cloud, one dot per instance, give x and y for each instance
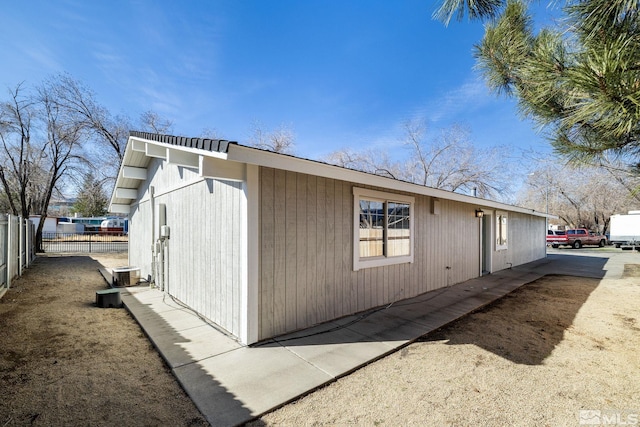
(43, 56)
(108, 61)
(456, 104)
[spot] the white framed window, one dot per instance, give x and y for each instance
(502, 230)
(382, 228)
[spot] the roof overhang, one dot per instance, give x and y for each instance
(226, 159)
(279, 161)
(206, 156)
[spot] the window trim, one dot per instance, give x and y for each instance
(369, 262)
(505, 245)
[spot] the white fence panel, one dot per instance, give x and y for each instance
(17, 249)
(4, 228)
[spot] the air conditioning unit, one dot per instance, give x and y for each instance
(125, 276)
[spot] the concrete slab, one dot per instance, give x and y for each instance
(338, 359)
(428, 321)
(199, 344)
(337, 352)
(176, 319)
(232, 384)
(386, 328)
(180, 336)
(247, 382)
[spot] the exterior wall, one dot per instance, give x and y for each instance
(527, 241)
(203, 253)
(140, 237)
(306, 247)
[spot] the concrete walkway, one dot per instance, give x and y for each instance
(232, 384)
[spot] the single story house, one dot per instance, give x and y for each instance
(262, 243)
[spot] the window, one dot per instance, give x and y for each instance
(383, 228)
(502, 230)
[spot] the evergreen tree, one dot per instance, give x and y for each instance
(579, 80)
(91, 201)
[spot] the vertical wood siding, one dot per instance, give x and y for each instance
(527, 241)
(140, 238)
(306, 267)
(306, 247)
(204, 248)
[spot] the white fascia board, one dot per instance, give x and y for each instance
(126, 193)
(258, 157)
(132, 172)
(119, 208)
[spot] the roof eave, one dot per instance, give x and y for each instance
(191, 151)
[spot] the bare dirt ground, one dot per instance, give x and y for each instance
(64, 361)
(537, 357)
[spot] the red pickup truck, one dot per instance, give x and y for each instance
(555, 237)
(577, 238)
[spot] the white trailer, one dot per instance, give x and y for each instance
(625, 230)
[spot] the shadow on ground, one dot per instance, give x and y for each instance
(526, 325)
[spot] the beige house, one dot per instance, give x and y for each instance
(262, 243)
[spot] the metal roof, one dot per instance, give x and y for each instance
(219, 145)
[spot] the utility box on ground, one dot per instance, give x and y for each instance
(108, 298)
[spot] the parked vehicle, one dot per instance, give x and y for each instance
(114, 226)
(625, 230)
(579, 237)
(555, 237)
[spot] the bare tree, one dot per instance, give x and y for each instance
(21, 157)
(152, 122)
(451, 162)
(619, 169)
(583, 196)
(61, 150)
(448, 162)
(79, 102)
(210, 133)
(40, 144)
(280, 140)
(106, 134)
(51, 136)
(369, 160)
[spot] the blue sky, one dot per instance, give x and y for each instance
(339, 73)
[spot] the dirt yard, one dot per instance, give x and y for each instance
(537, 357)
(63, 361)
